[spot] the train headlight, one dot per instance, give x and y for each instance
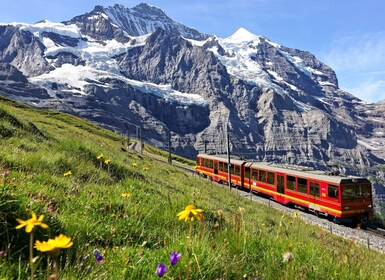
(370, 206)
(346, 208)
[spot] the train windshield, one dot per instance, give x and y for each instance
(356, 192)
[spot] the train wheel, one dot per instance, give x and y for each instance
(332, 218)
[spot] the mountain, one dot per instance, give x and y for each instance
(128, 68)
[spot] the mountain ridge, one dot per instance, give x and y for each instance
(129, 68)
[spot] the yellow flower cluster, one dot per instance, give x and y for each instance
(191, 213)
(125, 194)
(68, 173)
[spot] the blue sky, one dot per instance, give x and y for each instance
(348, 35)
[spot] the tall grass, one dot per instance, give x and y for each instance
(237, 239)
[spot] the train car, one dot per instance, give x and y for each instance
(340, 198)
(216, 168)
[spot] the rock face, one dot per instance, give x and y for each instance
(22, 50)
(136, 68)
(121, 23)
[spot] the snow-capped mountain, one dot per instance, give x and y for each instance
(126, 68)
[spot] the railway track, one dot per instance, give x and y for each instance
(371, 237)
(376, 231)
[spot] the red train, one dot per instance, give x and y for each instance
(340, 198)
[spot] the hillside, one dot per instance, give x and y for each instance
(128, 211)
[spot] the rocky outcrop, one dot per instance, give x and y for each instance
(22, 50)
(119, 22)
(13, 84)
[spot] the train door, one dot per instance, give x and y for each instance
(247, 177)
(215, 167)
(314, 195)
(280, 183)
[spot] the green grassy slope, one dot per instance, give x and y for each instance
(243, 240)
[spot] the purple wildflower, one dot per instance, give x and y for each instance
(98, 256)
(161, 269)
(174, 257)
(4, 173)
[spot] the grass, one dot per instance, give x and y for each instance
(237, 239)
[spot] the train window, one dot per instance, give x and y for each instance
(302, 185)
(270, 178)
(314, 189)
(247, 172)
(238, 170)
(366, 191)
(291, 183)
(225, 167)
(262, 176)
(232, 168)
(220, 166)
(332, 191)
(351, 192)
(255, 174)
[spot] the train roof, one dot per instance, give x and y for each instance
(305, 172)
(297, 171)
(235, 161)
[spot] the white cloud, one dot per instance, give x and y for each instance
(359, 62)
(369, 91)
(362, 52)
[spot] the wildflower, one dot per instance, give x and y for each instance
(288, 257)
(191, 212)
(145, 168)
(161, 269)
(4, 173)
(107, 162)
(297, 214)
(54, 245)
(174, 257)
(125, 194)
(134, 164)
(68, 173)
(31, 223)
(100, 157)
(3, 253)
(98, 256)
(220, 213)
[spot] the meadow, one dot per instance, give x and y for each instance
(122, 215)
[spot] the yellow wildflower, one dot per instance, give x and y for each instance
(31, 223)
(145, 168)
(125, 194)
(191, 212)
(107, 161)
(52, 245)
(134, 164)
(100, 157)
(297, 214)
(68, 173)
